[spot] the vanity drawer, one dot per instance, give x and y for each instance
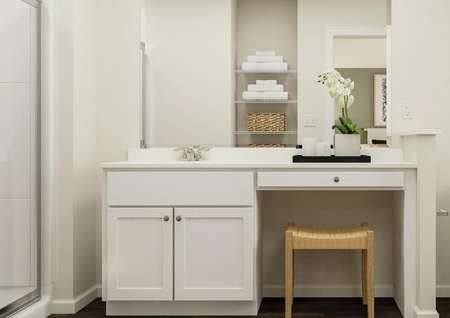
(179, 188)
(330, 179)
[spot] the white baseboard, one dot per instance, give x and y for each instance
(72, 306)
(425, 313)
(443, 291)
(326, 291)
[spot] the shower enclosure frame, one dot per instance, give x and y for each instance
(34, 296)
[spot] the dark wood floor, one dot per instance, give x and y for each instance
(303, 308)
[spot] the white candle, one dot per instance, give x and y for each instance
(309, 146)
(323, 149)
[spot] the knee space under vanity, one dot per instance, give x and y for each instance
(328, 273)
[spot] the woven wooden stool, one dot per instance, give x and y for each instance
(353, 238)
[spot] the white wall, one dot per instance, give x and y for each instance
(420, 40)
(314, 17)
(117, 35)
(62, 140)
(84, 148)
(96, 118)
(190, 82)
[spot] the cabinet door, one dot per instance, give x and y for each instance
(214, 254)
(140, 254)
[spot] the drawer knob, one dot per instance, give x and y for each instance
(178, 218)
(336, 179)
(166, 218)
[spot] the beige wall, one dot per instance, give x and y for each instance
(362, 110)
(330, 272)
(360, 53)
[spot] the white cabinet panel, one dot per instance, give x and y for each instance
(330, 179)
(14, 141)
(214, 254)
(15, 243)
(140, 254)
(14, 41)
(180, 188)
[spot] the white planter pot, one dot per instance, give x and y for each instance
(347, 145)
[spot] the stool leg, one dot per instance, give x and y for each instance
(370, 276)
(289, 275)
(363, 276)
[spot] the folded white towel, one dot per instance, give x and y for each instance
(275, 96)
(266, 82)
(265, 58)
(266, 53)
(264, 67)
(265, 88)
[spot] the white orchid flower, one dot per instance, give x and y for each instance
(351, 100)
(339, 88)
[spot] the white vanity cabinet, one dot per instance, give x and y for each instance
(186, 238)
(179, 236)
(214, 253)
(140, 253)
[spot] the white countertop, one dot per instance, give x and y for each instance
(192, 165)
(250, 159)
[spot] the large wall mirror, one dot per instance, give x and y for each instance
(244, 72)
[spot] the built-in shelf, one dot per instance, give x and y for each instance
(274, 29)
(266, 102)
(265, 73)
(245, 132)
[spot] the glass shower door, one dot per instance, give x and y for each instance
(19, 155)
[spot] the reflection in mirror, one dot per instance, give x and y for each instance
(363, 60)
(323, 28)
(196, 90)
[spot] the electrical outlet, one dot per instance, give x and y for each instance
(309, 121)
(442, 212)
(407, 112)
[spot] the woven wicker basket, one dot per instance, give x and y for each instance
(266, 122)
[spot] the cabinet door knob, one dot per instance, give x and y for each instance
(178, 218)
(336, 180)
(166, 218)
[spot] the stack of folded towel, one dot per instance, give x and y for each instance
(265, 62)
(265, 90)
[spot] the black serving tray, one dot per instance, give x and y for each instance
(331, 159)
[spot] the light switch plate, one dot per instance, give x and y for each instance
(309, 121)
(407, 111)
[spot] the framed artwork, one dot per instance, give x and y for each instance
(380, 101)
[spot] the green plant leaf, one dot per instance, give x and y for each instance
(346, 126)
(341, 129)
